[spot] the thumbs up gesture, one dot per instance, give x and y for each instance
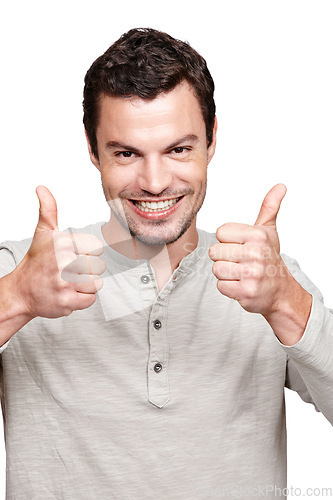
(61, 271)
(247, 261)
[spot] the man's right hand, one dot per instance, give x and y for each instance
(61, 271)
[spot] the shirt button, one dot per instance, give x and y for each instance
(145, 279)
(157, 324)
(158, 367)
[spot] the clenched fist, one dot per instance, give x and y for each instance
(60, 272)
(247, 261)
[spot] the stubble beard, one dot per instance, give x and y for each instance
(127, 222)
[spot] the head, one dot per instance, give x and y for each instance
(145, 90)
(145, 63)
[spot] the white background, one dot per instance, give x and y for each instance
(272, 65)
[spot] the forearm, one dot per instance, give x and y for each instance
(291, 315)
(312, 358)
(13, 315)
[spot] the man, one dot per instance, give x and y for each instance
(160, 383)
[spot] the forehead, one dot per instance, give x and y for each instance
(177, 111)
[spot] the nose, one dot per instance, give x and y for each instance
(154, 176)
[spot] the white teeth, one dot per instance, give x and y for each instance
(153, 206)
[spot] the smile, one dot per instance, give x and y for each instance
(156, 210)
(155, 206)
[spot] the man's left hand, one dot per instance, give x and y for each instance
(247, 261)
(249, 269)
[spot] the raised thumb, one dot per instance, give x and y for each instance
(271, 205)
(48, 213)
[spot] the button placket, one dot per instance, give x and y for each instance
(146, 286)
(145, 279)
(158, 383)
(157, 324)
(158, 367)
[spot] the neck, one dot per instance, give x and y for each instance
(163, 258)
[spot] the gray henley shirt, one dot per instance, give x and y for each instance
(170, 395)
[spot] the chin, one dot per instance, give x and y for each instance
(163, 238)
(156, 240)
(155, 233)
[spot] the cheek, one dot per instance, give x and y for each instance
(116, 180)
(197, 172)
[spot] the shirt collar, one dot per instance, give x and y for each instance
(115, 258)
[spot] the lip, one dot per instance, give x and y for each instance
(163, 214)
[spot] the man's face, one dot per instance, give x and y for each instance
(153, 159)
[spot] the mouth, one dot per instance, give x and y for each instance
(156, 210)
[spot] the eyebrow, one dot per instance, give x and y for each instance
(189, 138)
(119, 145)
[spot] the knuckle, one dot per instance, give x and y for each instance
(67, 312)
(63, 243)
(222, 287)
(219, 285)
(99, 284)
(66, 276)
(221, 230)
(92, 300)
(219, 233)
(216, 268)
(86, 301)
(250, 290)
(257, 271)
(260, 235)
(70, 264)
(96, 244)
(253, 271)
(254, 253)
(213, 250)
(102, 265)
(246, 271)
(66, 301)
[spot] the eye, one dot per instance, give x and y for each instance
(125, 154)
(180, 150)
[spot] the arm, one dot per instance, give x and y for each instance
(250, 269)
(13, 313)
(310, 367)
(289, 318)
(310, 361)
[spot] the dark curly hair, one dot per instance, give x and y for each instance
(145, 62)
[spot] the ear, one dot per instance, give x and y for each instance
(211, 149)
(93, 158)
